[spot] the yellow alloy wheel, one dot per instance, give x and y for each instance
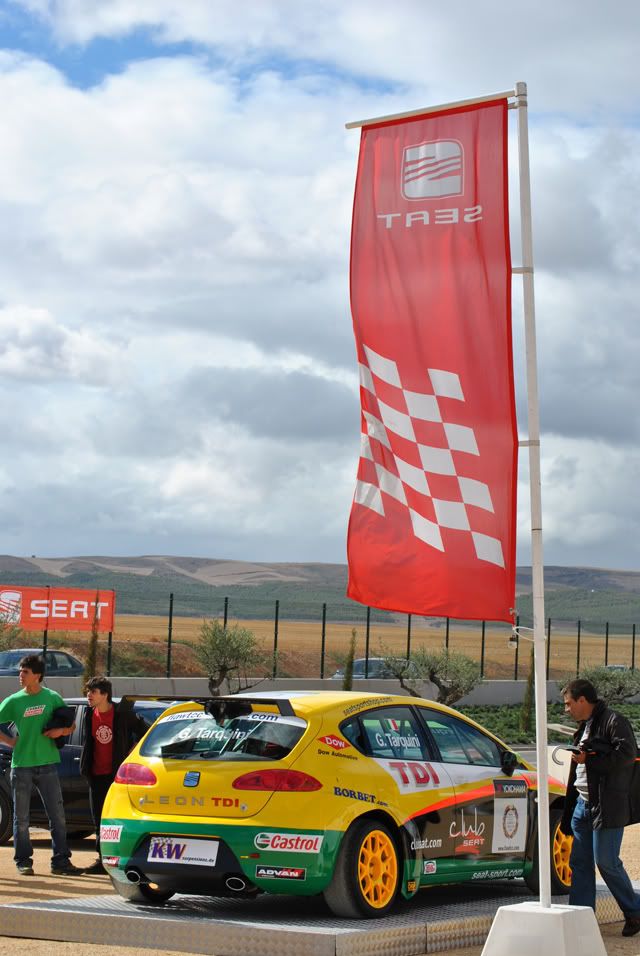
(560, 852)
(378, 868)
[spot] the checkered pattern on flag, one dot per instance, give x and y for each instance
(432, 527)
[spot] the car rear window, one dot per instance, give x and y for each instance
(197, 735)
(9, 658)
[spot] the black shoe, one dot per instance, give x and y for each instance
(25, 869)
(631, 926)
(96, 867)
(66, 869)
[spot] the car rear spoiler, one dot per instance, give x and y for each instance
(220, 707)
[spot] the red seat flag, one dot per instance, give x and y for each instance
(432, 526)
(57, 609)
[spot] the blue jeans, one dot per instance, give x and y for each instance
(47, 782)
(602, 848)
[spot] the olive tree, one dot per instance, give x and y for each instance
(453, 674)
(614, 686)
(230, 655)
(10, 635)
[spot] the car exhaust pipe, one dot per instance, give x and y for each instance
(237, 884)
(134, 876)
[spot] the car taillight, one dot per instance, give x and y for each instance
(289, 780)
(136, 774)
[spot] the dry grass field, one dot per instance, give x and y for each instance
(299, 644)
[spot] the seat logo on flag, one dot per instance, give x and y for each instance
(432, 170)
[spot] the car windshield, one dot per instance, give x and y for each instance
(197, 735)
(11, 658)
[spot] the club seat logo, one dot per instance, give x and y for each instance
(432, 170)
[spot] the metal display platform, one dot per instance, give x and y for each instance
(436, 921)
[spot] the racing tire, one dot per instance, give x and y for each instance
(560, 852)
(367, 874)
(6, 818)
(142, 893)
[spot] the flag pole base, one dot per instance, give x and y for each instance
(529, 929)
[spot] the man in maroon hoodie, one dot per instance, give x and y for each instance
(110, 733)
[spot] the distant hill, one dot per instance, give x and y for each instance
(200, 586)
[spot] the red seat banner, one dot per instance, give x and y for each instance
(57, 609)
(433, 522)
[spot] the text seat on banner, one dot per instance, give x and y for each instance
(432, 525)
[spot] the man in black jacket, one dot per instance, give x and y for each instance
(111, 730)
(598, 805)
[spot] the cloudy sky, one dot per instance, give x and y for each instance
(177, 366)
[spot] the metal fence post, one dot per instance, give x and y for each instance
(515, 665)
(578, 648)
(484, 627)
(169, 634)
(109, 652)
(367, 635)
(408, 636)
(45, 633)
(633, 648)
(225, 613)
(606, 644)
(548, 645)
(446, 637)
(275, 639)
(324, 636)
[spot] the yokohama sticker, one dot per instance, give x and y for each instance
(288, 842)
(280, 873)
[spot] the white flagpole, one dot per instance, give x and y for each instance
(538, 927)
(537, 568)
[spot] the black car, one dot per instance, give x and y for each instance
(75, 789)
(57, 663)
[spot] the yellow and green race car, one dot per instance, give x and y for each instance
(360, 797)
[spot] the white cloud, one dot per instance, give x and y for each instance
(35, 348)
(175, 246)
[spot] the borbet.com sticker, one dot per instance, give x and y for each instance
(176, 850)
(280, 873)
(110, 833)
(509, 816)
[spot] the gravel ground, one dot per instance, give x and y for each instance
(43, 886)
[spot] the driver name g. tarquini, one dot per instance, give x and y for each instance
(361, 797)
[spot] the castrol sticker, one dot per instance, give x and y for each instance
(289, 842)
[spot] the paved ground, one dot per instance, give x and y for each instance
(44, 886)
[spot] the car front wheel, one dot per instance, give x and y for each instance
(367, 874)
(560, 851)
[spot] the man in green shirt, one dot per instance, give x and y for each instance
(34, 763)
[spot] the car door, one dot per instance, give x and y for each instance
(488, 822)
(51, 664)
(75, 789)
(417, 781)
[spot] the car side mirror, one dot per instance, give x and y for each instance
(508, 762)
